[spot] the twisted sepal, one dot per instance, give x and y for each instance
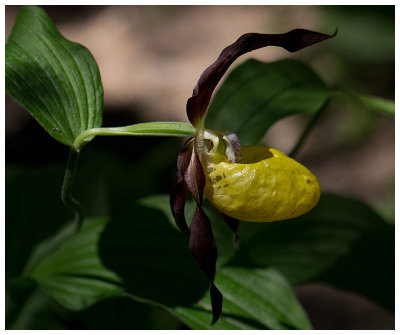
(179, 191)
(195, 178)
(292, 41)
(191, 178)
(204, 250)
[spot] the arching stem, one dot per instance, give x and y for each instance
(307, 130)
(179, 129)
(66, 191)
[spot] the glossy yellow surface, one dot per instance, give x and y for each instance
(265, 186)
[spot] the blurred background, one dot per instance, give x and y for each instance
(150, 58)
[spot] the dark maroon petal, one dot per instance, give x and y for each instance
(233, 224)
(177, 202)
(292, 41)
(179, 191)
(216, 303)
(184, 157)
(202, 243)
(204, 250)
(195, 178)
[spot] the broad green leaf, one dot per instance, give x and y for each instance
(253, 299)
(369, 268)
(151, 258)
(255, 95)
(72, 273)
(154, 263)
(140, 255)
(222, 234)
(340, 237)
(28, 307)
(125, 313)
(56, 80)
(31, 218)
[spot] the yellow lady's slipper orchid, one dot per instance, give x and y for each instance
(265, 186)
(254, 183)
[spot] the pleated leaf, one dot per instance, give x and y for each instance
(56, 80)
(142, 256)
(253, 299)
(72, 272)
(341, 241)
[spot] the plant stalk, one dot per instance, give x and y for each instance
(139, 129)
(373, 103)
(307, 130)
(66, 191)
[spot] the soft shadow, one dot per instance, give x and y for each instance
(237, 317)
(152, 258)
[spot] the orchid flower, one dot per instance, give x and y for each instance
(255, 183)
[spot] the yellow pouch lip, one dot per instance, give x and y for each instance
(264, 186)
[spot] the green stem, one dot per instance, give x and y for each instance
(139, 129)
(307, 130)
(376, 104)
(66, 191)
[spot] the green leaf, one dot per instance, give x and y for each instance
(255, 95)
(222, 234)
(253, 299)
(369, 268)
(125, 313)
(72, 273)
(373, 103)
(56, 80)
(141, 256)
(340, 241)
(353, 48)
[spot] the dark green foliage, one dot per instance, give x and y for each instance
(56, 80)
(129, 256)
(255, 95)
(141, 256)
(341, 241)
(33, 207)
